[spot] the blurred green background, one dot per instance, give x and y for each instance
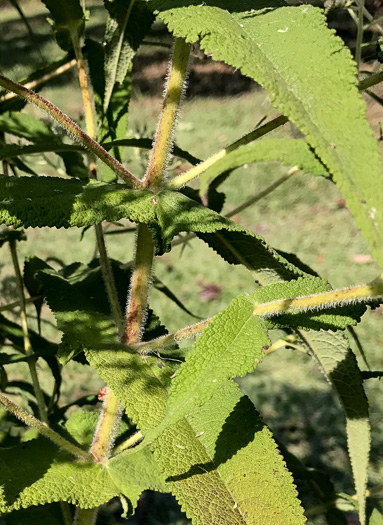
(306, 216)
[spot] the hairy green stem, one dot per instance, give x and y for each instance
(140, 284)
(27, 343)
(164, 135)
(132, 440)
(320, 301)
(85, 516)
(359, 35)
(108, 278)
(196, 171)
(169, 339)
(135, 317)
(72, 129)
(66, 514)
(46, 431)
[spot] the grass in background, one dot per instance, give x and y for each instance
(306, 215)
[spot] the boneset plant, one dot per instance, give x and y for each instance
(191, 431)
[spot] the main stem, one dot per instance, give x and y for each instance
(140, 284)
(164, 135)
(27, 342)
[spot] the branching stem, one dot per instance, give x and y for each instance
(72, 129)
(196, 171)
(321, 301)
(166, 340)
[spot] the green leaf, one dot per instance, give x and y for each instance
(176, 213)
(52, 201)
(68, 22)
(27, 127)
(292, 53)
(339, 365)
(230, 346)
(110, 121)
(127, 24)
(376, 518)
(36, 472)
(34, 130)
(288, 152)
(332, 318)
(222, 465)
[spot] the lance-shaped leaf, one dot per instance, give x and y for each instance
(286, 151)
(111, 124)
(127, 24)
(339, 365)
(176, 213)
(62, 203)
(222, 464)
(68, 22)
(292, 53)
(230, 346)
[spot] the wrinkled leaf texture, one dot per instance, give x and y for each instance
(311, 78)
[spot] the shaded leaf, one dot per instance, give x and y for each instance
(68, 22)
(339, 365)
(36, 472)
(222, 465)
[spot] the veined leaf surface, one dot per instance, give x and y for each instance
(177, 213)
(41, 473)
(62, 203)
(310, 76)
(222, 464)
